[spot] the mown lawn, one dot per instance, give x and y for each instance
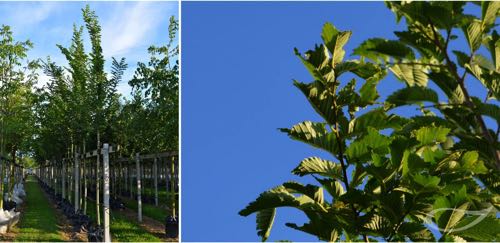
(122, 229)
(38, 221)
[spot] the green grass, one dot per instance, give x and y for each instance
(38, 221)
(122, 229)
(149, 210)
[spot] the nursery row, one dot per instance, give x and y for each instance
(74, 180)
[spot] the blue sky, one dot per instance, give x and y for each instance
(128, 28)
(237, 71)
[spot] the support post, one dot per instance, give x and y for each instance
(105, 164)
(64, 179)
(138, 177)
(77, 182)
(155, 174)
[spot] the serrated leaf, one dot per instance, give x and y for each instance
(411, 74)
(368, 92)
(313, 192)
(431, 135)
(377, 119)
(457, 214)
(276, 197)
(486, 109)
(314, 134)
(416, 232)
(376, 48)
(361, 148)
(265, 220)
(473, 33)
(489, 11)
(320, 99)
(427, 181)
(485, 229)
(315, 73)
(412, 95)
(335, 41)
(316, 165)
(332, 186)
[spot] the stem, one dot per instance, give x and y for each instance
(344, 168)
(468, 102)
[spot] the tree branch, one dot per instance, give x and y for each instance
(468, 102)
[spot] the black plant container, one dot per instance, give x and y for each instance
(171, 227)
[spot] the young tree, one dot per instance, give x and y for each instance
(16, 100)
(431, 168)
(157, 86)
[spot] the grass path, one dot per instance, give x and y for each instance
(122, 228)
(38, 220)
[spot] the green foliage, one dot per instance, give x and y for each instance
(438, 169)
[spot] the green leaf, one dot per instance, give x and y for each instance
(375, 118)
(416, 232)
(332, 186)
(325, 232)
(368, 92)
(431, 135)
(322, 100)
(469, 157)
(412, 74)
(462, 58)
(376, 48)
(426, 181)
(440, 205)
(473, 33)
(485, 229)
(457, 214)
(489, 13)
(315, 73)
(313, 192)
(360, 149)
(276, 197)
(493, 45)
(486, 109)
(316, 165)
(448, 85)
(265, 220)
(314, 134)
(412, 95)
(335, 41)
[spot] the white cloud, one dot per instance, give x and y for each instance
(129, 27)
(26, 15)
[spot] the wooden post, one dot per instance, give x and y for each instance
(172, 187)
(138, 177)
(105, 164)
(77, 182)
(155, 174)
(130, 180)
(63, 174)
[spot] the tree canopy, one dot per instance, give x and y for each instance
(432, 176)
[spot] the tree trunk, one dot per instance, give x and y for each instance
(98, 178)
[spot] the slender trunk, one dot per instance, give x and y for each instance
(138, 178)
(63, 175)
(84, 180)
(98, 178)
(2, 166)
(77, 180)
(172, 188)
(105, 162)
(155, 172)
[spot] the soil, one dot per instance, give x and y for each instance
(64, 224)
